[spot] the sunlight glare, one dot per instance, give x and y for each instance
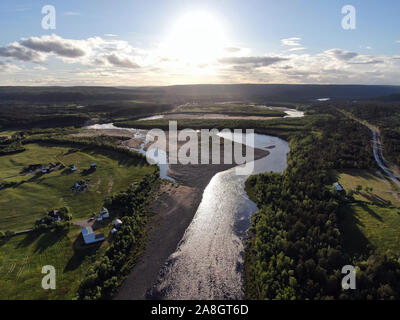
(195, 38)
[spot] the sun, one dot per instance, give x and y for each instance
(195, 38)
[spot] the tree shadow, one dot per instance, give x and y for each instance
(49, 239)
(66, 171)
(87, 172)
(375, 199)
(30, 238)
(81, 252)
(371, 212)
(354, 240)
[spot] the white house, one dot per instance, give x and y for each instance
(117, 223)
(90, 237)
(104, 213)
(338, 186)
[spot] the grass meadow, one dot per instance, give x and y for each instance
(373, 219)
(23, 256)
(33, 195)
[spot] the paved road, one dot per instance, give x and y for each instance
(379, 158)
(377, 148)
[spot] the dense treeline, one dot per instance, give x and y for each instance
(295, 249)
(104, 277)
(17, 115)
(385, 116)
(282, 127)
(24, 115)
(11, 148)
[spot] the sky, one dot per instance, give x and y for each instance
(142, 43)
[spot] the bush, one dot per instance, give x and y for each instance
(9, 234)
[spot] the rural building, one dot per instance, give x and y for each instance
(117, 223)
(34, 167)
(90, 237)
(93, 166)
(338, 186)
(114, 231)
(73, 168)
(104, 212)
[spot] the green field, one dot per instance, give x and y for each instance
(32, 196)
(372, 221)
(22, 258)
(231, 109)
(383, 192)
(369, 226)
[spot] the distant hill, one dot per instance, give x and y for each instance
(182, 93)
(390, 98)
(281, 92)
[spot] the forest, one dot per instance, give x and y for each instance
(295, 248)
(385, 116)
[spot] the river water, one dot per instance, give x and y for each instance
(209, 259)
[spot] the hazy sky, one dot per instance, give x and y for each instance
(132, 42)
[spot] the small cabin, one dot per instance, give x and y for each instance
(338, 187)
(73, 168)
(90, 237)
(117, 223)
(93, 166)
(104, 213)
(114, 231)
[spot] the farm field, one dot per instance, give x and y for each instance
(366, 225)
(383, 191)
(25, 198)
(23, 256)
(373, 219)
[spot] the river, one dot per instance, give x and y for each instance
(208, 261)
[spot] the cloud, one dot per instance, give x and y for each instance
(6, 67)
(294, 41)
(90, 52)
(368, 62)
(232, 49)
(119, 61)
(72, 13)
(341, 54)
(297, 49)
(254, 61)
(54, 44)
(110, 35)
(397, 41)
(16, 51)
